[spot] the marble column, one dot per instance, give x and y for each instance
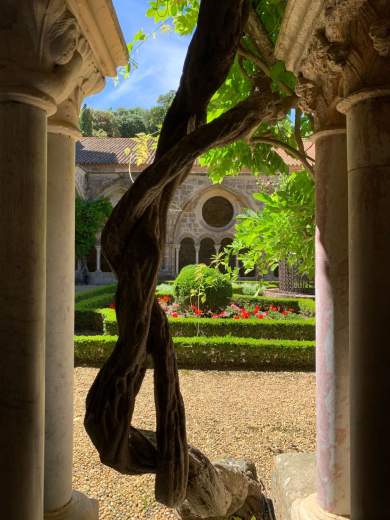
(98, 248)
(22, 308)
(177, 251)
(331, 282)
(60, 502)
(197, 249)
(368, 131)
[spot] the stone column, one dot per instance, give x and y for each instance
(22, 307)
(367, 107)
(368, 126)
(98, 248)
(177, 251)
(60, 502)
(331, 282)
(34, 72)
(197, 249)
(332, 486)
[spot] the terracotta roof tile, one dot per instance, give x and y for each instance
(111, 150)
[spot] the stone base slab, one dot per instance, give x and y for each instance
(294, 486)
(308, 509)
(293, 478)
(79, 508)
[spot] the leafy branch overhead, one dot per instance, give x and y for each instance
(254, 61)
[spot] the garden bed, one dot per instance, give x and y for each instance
(103, 321)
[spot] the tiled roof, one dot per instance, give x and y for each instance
(111, 150)
(106, 150)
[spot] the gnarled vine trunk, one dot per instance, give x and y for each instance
(133, 240)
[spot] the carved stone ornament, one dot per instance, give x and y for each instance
(39, 57)
(66, 119)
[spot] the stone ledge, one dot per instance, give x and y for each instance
(79, 508)
(293, 478)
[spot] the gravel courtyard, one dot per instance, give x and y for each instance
(254, 415)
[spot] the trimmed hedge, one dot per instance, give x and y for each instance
(92, 293)
(304, 305)
(215, 352)
(88, 321)
(251, 328)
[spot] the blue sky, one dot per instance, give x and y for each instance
(160, 61)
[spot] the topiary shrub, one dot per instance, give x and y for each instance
(202, 286)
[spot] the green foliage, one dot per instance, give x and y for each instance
(164, 289)
(86, 125)
(157, 113)
(88, 321)
(304, 306)
(90, 217)
(215, 352)
(108, 290)
(203, 286)
(282, 230)
(125, 122)
(299, 329)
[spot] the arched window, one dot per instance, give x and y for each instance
(206, 251)
(187, 254)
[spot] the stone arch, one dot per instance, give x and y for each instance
(206, 250)
(187, 252)
(114, 192)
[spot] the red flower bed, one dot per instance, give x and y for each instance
(236, 312)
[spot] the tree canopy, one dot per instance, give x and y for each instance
(125, 122)
(254, 59)
(283, 230)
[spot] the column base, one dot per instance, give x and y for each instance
(308, 509)
(80, 507)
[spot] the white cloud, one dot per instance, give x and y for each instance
(160, 63)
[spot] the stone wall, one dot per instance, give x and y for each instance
(185, 219)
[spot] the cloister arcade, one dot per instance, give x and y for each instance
(201, 218)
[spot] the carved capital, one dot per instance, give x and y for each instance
(39, 57)
(90, 80)
(320, 98)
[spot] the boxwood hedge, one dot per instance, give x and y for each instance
(250, 328)
(303, 305)
(215, 352)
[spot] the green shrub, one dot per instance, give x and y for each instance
(251, 328)
(88, 321)
(202, 286)
(307, 306)
(304, 305)
(252, 289)
(164, 289)
(215, 352)
(91, 293)
(96, 302)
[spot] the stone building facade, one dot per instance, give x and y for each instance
(201, 217)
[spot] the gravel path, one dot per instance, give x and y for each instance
(254, 415)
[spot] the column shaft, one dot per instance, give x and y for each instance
(22, 308)
(331, 281)
(177, 252)
(98, 257)
(368, 127)
(197, 254)
(59, 321)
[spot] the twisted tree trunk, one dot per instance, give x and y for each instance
(133, 240)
